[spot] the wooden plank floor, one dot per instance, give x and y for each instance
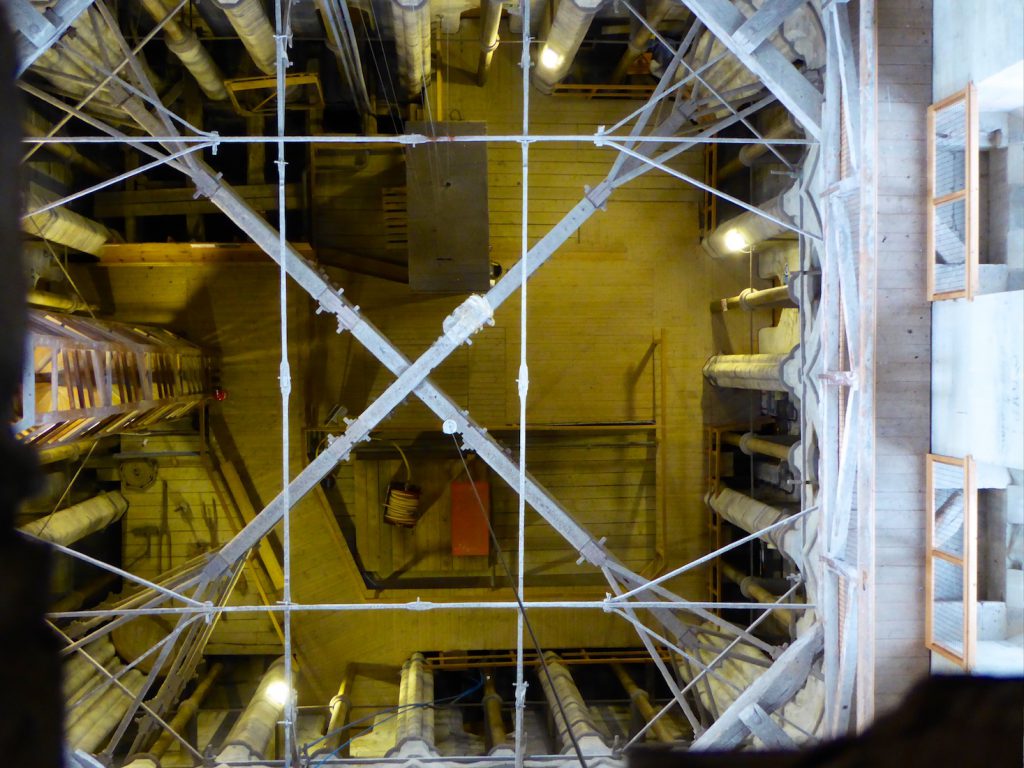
(903, 361)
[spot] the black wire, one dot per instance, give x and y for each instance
(396, 710)
(522, 608)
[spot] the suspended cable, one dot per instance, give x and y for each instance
(640, 17)
(396, 711)
(434, 162)
(388, 83)
(99, 86)
(376, 65)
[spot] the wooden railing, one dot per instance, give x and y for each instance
(951, 559)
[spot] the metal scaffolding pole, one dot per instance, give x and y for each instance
(117, 179)
(423, 606)
(420, 139)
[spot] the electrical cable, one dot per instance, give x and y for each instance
(396, 711)
(401, 505)
(389, 84)
(380, 76)
(522, 608)
(433, 155)
(446, 700)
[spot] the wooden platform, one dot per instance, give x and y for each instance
(902, 357)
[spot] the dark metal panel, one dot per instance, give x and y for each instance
(447, 209)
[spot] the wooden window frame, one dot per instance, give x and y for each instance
(970, 193)
(968, 563)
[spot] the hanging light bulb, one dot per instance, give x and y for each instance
(550, 58)
(277, 693)
(735, 241)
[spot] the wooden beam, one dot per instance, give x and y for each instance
(255, 153)
(791, 88)
(839, 17)
(182, 200)
(194, 224)
(866, 375)
(183, 254)
(195, 254)
(773, 689)
(365, 265)
(764, 22)
(766, 729)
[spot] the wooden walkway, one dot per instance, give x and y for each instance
(903, 354)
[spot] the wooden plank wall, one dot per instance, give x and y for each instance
(181, 516)
(606, 481)
(903, 360)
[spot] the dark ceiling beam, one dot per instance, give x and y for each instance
(197, 254)
(182, 200)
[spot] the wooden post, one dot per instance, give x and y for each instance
(194, 114)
